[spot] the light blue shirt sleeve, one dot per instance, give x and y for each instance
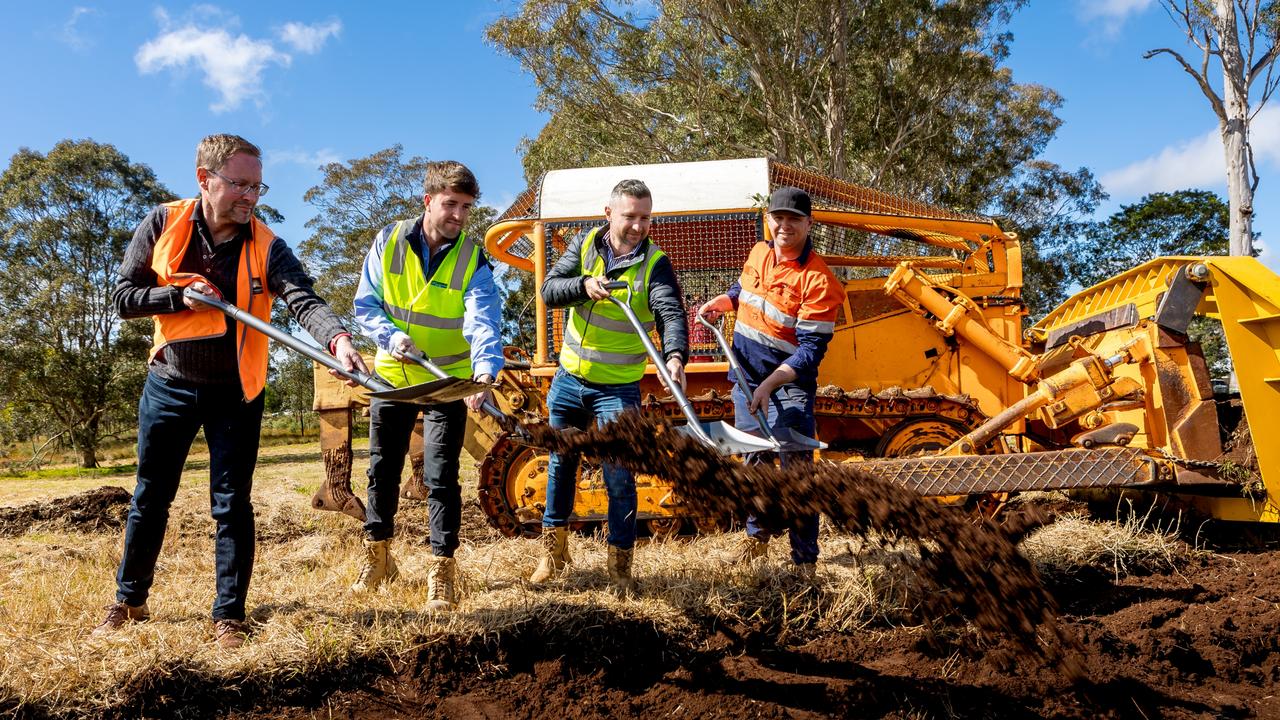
(372, 319)
(482, 323)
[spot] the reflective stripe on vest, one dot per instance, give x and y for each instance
(166, 259)
(430, 311)
(600, 344)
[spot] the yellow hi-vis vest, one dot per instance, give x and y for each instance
(429, 310)
(600, 344)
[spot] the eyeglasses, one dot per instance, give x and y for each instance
(243, 188)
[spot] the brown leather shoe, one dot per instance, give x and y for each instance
(230, 634)
(119, 614)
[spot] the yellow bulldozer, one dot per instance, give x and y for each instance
(931, 379)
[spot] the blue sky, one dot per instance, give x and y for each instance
(322, 81)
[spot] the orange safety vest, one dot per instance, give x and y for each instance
(251, 348)
(778, 298)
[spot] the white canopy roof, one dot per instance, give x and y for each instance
(676, 187)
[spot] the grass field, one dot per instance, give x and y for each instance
(55, 583)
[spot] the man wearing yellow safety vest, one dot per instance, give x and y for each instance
(206, 371)
(601, 362)
(787, 301)
(426, 289)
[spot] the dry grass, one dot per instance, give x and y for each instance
(54, 586)
(1074, 543)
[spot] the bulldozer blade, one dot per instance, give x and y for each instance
(429, 393)
(1052, 470)
(728, 440)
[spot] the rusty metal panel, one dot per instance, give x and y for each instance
(980, 474)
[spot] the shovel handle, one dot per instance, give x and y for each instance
(738, 375)
(658, 364)
(367, 381)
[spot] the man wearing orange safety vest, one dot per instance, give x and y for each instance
(205, 370)
(787, 301)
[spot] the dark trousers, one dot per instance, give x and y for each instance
(791, 407)
(169, 415)
(390, 425)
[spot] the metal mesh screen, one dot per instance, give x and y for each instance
(708, 250)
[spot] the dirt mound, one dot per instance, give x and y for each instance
(967, 567)
(1198, 643)
(92, 511)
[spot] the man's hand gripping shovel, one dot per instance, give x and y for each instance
(788, 439)
(719, 436)
(436, 391)
(507, 422)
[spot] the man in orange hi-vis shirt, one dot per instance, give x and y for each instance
(787, 301)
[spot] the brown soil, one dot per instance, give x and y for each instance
(91, 511)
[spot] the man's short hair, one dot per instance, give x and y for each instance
(450, 175)
(215, 150)
(631, 188)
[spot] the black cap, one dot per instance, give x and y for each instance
(792, 200)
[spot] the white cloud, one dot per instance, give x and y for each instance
(231, 64)
(1197, 162)
(309, 38)
(71, 34)
(310, 160)
(1110, 14)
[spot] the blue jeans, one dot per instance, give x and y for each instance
(170, 413)
(574, 402)
(443, 426)
(791, 407)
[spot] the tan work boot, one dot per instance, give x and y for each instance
(230, 634)
(620, 571)
(379, 567)
(555, 555)
(441, 578)
(748, 550)
(119, 615)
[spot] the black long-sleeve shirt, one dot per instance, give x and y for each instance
(212, 361)
(566, 285)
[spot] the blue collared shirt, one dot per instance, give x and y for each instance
(481, 323)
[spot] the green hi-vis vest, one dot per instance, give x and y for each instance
(600, 344)
(429, 310)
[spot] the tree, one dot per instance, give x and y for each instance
(1186, 222)
(910, 97)
(291, 387)
(65, 219)
(1240, 36)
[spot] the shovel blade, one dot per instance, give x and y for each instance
(792, 441)
(728, 440)
(429, 393)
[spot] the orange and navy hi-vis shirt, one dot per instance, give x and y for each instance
(786, 313)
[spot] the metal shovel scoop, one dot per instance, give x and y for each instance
(436, 391)
(789, 439)
(507, 422)
(720, 436)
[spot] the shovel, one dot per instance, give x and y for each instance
(719, 436)
(789, 439)
(436, 391)
(508, 423)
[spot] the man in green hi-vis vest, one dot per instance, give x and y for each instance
(426, 288)
(601, 362)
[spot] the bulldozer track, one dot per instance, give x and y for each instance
(898, 422)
